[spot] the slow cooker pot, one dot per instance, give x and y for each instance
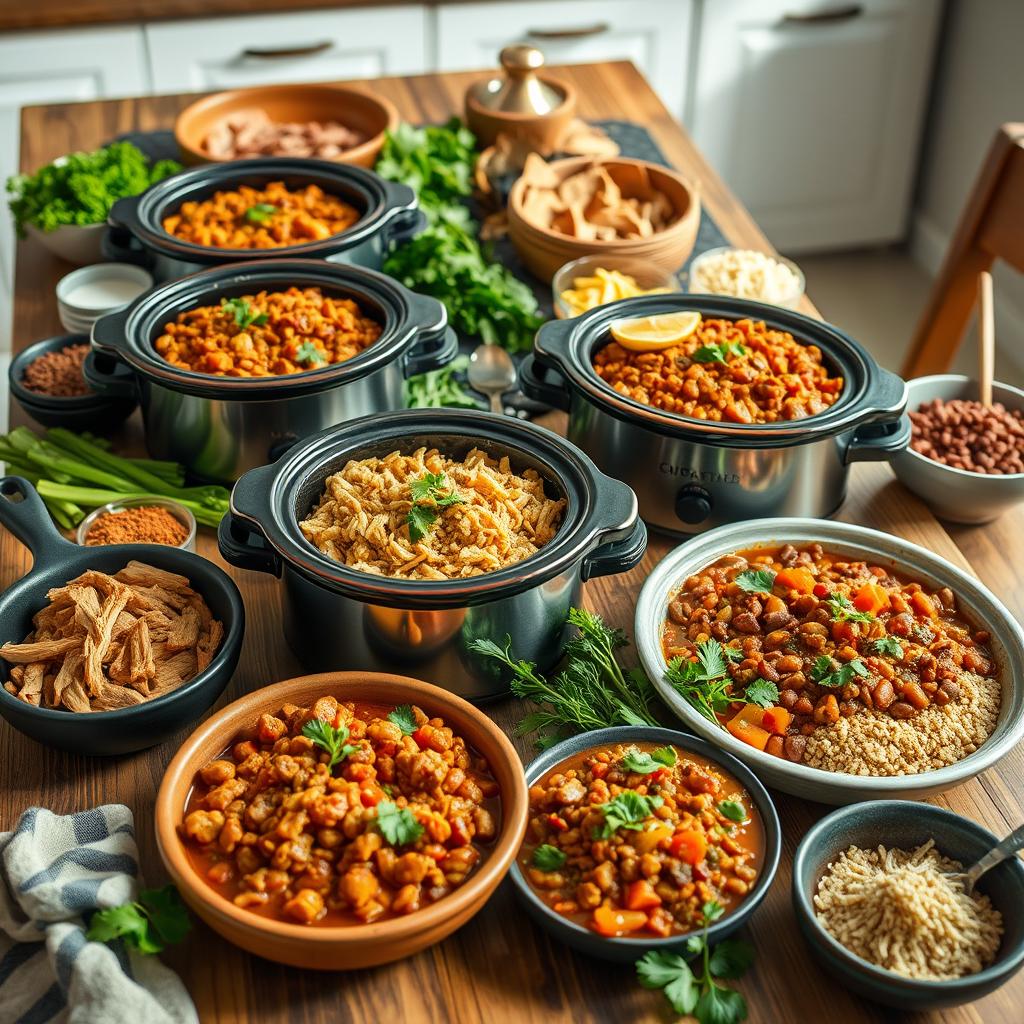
(218, 427)
(690, 474)
(389, 214)
(336, 617)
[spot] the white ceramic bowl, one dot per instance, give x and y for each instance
(976, 601)
(956, 494)
(85, 295)
(81, 245)
(789, 301)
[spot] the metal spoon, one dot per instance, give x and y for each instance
(491, 372)
(1007, 848)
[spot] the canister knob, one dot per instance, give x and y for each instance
(693, 504)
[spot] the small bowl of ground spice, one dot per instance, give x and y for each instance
(139, 521)
(47, 381)
(965, 460)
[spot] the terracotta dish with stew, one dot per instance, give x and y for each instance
(341, 820)
(823, 649)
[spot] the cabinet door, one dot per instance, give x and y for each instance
(812, 112)
(653, 34)
(223, 53)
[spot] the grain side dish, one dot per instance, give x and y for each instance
(261, 218)
(833, 662)
(109, 642)
(903, 911)
(268, 334)
(747, 274)
(428, 516)
(634, 839)
(738, 371)
(341, 814)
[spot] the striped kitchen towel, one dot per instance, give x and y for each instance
(55, 870)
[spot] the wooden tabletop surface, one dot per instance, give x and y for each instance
(499, 967)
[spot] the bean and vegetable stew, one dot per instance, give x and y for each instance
(634, 839)
(340, 814)
(731, 371)
(824, 659)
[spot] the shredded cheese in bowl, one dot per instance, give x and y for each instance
(747, 274)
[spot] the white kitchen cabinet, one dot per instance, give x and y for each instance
(653, 34)
(812, 112)
(315, 46)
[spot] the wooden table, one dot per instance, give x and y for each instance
(499, 967)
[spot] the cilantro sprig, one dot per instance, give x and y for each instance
(693, 987)
(245, 314)
(403, 717)
(628, 810)
(843, 610)
(825, 673)
(718, 352)
(704, 683)
(756, 581)
(307, 352)
(260, 213)
(333, 740)
(547, 857)
(642, 763)
(888, 645)
(157, 919)
(733, 810)
(430, 494)
(397, 824)
(761, 692)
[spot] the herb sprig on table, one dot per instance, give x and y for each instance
(430, 495)
(157, 919)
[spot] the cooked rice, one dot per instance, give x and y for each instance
(874, 743)
(503, 518)
(903, 912)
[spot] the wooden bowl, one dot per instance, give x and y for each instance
(543, 132)
(544, 250)
(369, 115)
(341, 947)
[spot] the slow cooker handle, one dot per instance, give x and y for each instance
(428, 354)
(405, 226)
(108, 376)
(119, 246)
(534, 386)
(887, 395)
(108, 333)
(879, 442)
(242, 545)
(23, 513)
(617, 556)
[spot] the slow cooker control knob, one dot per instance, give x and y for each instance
(693, 504)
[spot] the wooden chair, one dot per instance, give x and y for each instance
(991, 226)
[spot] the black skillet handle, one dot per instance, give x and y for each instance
(534, 383)
(23, 513)
(618, 556)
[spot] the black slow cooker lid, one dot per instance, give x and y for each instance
(405, 317)
(376, 199)
(273, 499)
(869, 393)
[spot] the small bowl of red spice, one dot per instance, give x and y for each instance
(48, 382)
(139, 521)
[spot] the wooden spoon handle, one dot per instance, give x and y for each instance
(986, 338)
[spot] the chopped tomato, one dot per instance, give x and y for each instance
(820, 590)
(923, 604)
(640, 895)
(796, 579)
(600, 769)
(690, 846)
(611, 922)
(557, 823)
(776, 720)
(871, 598)
(371, 796)
(422, 737)
(358, 772)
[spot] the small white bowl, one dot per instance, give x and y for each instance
(957, 494)
(789, 301)
(182, 514)
(85, 295)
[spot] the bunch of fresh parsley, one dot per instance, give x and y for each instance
(441, 388)
(430, 495)
(158, 918)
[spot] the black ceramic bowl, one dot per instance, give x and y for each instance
(628, 950)
(906, 825)
(56, 561)
(96, 413)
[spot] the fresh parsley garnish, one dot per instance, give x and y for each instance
(733, 810)
(547, 858)
(260, 213)
(691, 987)
(307, 352)
(626, 810)
(403, 717)
(824, 672)
(843, 610)
(158, 918)
(732, 653)
(245, 314)
(718, 352)
(888, 645)
(642, 763)
(756, 581)
(397, 825)
(430, 494)
(704, 682)
(333, 740)
(762, 692)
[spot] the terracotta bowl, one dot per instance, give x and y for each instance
(370, 115)
(352, 946)
(544, 250)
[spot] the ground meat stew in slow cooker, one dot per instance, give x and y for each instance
(340, 814)
(831, 661)
(633, 839)
(731, 371)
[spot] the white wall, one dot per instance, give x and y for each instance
(979, 84)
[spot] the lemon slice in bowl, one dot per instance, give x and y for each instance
(652, 333)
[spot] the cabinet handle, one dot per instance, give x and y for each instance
(581, 32)
(259, 53)
(828, 16)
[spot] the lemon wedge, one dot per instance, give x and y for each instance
(652, 333)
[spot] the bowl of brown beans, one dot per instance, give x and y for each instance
(46, 380)
(965, 459)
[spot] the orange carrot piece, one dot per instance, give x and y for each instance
(923, 604)
(640, 895)
(795, 579)
(776, 720)
(690, 846)
(871, 598)
(611, 922)
(746, 726)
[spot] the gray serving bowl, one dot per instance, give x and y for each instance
(628, 950)
(956, 494)
(977, 602)
(906, 825)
